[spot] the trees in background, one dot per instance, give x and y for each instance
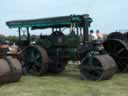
(15, 38)
(12, 38)
(9, 38)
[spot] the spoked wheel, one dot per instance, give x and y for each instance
(115, 35)
(100, 67)
(35, 60)
(118, 49)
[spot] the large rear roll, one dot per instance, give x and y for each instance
(35, 60)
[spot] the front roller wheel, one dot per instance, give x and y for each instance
(10, 70)
(35, 60)
(99, 67)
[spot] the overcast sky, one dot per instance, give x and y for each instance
(107, 15)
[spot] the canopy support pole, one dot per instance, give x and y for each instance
(28, 34)
(19, 31)
(85, 30)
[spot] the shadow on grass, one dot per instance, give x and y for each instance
(72, 75)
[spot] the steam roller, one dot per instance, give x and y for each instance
(10, 70)
(118, 49)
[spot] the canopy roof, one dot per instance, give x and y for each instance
(52, 22)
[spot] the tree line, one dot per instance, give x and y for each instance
(9, 38)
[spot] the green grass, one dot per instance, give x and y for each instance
(66, 84)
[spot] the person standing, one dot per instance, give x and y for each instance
(93, 35)
(99, 35)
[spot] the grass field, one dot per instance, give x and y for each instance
(66, 84)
